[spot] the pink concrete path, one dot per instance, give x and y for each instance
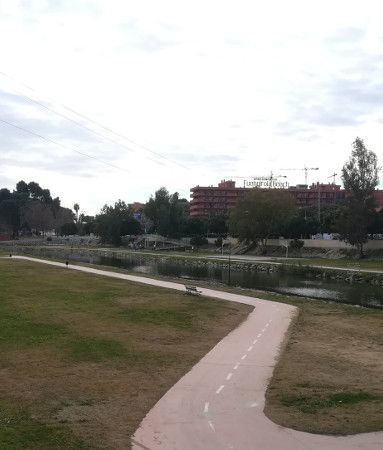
(219, 403)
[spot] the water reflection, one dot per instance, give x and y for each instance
(282, 282)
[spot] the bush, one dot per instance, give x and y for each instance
(296, 244)
(198, 241)
(68, 229)
(218, 242)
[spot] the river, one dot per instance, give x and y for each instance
(283, 282)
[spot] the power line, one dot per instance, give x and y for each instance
(158, 155)
(62, 145)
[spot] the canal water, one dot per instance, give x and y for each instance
(283, 282)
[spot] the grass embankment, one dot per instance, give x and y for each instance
(329, 377)
(354, 264)
(83, 358)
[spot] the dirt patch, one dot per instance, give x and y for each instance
(329, 377)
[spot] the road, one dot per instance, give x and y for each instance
(219, 403)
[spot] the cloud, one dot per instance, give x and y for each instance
(346, 36)
(54, 141)
(200, 159)
(341, 102)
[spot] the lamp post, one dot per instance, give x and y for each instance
(287, 250)
(229, 279)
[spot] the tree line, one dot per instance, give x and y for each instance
(30, 209)
(164, 213)
(258, 216)
(261, 215)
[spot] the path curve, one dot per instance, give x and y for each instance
(219, 403)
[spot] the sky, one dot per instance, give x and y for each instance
(103, 100)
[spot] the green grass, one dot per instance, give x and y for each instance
(19, 431)
(182, 317)
(93, 354)
(94, 349)
(312, 404)
(18, 329)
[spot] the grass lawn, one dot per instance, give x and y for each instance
(83, 358)
(329, 378)
(366, 264)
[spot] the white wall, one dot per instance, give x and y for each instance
(325, 243)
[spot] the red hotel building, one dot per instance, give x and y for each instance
(217, 200)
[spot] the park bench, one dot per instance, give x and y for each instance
(192, 290)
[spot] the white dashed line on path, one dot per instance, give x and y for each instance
(255, 341)
(211, 425)
(236, 366)
(229, 376)
(250, 348)
(206, 408)
(244, 356)
(219, 389)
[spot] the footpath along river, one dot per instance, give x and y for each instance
(280, 281)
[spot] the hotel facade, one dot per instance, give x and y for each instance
(208, 201)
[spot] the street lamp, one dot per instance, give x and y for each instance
(287, 249)
(229, 280)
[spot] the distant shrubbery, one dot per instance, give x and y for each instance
(198, 241)
(296, 244)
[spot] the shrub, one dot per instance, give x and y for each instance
(218, 242)
(198, 241)
(296, 244)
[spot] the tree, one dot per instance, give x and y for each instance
(376, 225)
(218, 224)
(68, 229)
(167, 212)
(114, 222)
(194, 226)
(87, 224)
(38, 216)
(5, 194)
(61, 217)
(303, 224)
(10, 216)
(260, 215)
(76, 207)
(360, 178)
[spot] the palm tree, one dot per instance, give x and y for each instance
(76, 207)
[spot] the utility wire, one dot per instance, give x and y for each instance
(158, 155)
(62, 145)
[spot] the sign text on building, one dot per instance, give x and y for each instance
(266, 183)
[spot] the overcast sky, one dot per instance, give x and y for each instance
(182, 93)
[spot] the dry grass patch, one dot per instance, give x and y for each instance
(83, 357)
(329, 377)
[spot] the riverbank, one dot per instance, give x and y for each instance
(350, 271)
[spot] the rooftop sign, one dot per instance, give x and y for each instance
(266, 183)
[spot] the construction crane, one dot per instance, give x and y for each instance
(333, 176)
(306, 169)
(270, 177)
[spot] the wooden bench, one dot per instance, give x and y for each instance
(192, 290)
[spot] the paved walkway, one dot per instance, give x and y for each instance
(219, 403)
